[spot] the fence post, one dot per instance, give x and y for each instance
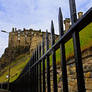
(43, 51)
(40, 89)
(33, 87)
(53, 58)
(37, 68)
(63, 57)
(48, 64)
(77, 51)
(33, 74)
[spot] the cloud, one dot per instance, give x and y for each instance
(35, 14)
(3, 42)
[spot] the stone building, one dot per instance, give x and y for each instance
(20, 37)
(67, 21)
(67, 24)
(80, 14)
(30, 37)
(23, 38)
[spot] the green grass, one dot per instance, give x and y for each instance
(16, 68)
(21, 61)
(85, 42)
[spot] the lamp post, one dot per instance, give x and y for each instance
(8, 76)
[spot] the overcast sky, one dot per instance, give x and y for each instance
(35, 14)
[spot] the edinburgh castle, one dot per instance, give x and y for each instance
(24, 38)
(30, 37)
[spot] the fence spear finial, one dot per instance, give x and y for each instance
(73, 11)
(52, 27)
(52, 33)
(60, 19)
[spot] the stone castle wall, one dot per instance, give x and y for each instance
(21, 37)
(26, 37)
(67, 21)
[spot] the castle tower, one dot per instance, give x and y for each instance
(11, 38)
(15, 29)
(80, 14)
(67, 24)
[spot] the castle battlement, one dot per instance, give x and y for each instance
(20, 37)
(26, 37)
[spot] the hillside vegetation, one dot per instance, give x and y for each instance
(85, 42)
(16, 68)
(21, 61)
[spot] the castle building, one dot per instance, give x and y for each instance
(25, 37)
(67, 24)
(67, 21)
(30, 37)
(80, 14)
(20, 38)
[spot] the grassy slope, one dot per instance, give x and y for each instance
(16, 68)
(85, 40)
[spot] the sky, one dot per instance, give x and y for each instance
(35, 14)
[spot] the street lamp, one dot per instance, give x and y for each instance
(8, 76)
(4, 31)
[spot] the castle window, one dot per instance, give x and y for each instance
(26, 32)
(32, 33)
(23, 33)
(25, 36)
(35, 34)
(18, 35)
(19, 31)
(18, 38)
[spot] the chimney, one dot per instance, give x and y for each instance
(67, 24)
(13, 29)
(80, 14)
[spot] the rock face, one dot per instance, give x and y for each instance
(71, 72)
(10, 55)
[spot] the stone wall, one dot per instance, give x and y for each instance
(32, 38)
(21, 37)
(71, 72)
(37, 39)
(67, 21)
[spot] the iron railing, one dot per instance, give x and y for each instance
(33, 79)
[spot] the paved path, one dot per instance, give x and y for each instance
(2, 90)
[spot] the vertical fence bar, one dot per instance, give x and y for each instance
(37, 69)
(35, 73)
(43, 51)
(31, 75)
(63, 57)
(48, 65)
(53, 58)
(77, 51)
(40, 89)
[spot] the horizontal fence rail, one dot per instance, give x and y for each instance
(37, 65)
(36, 75)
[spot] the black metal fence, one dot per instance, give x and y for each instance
(33, 79)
